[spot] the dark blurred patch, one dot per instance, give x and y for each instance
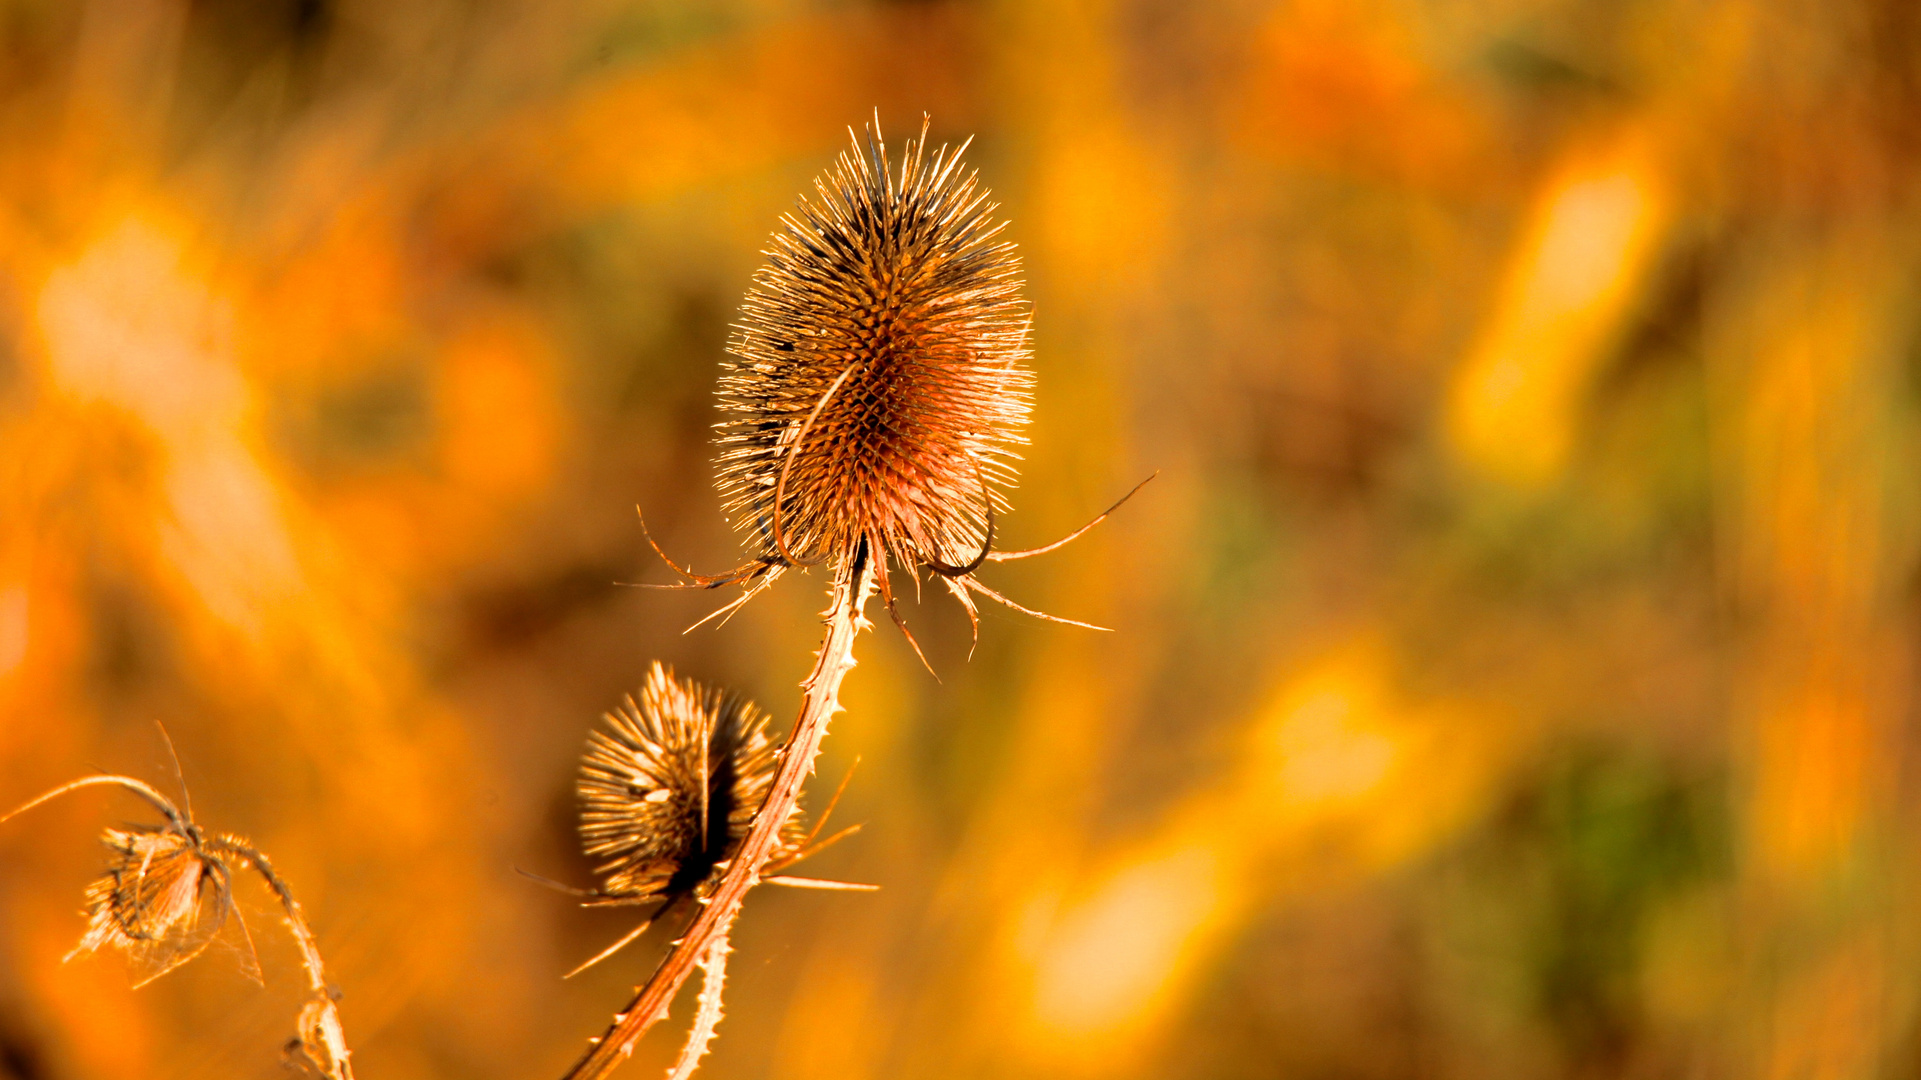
(640, 344)
(1533, 69)
(20, 1056)
(253, 27)
(1325, 446)
(9, 366)
(129, 643)
(1911, 351)
(1176, 65)
(681, 364)
(459, 226)
(259, 58)
(669, 385)
(378, 417)
(35, 39)
(639, 31)
(12, 363)
(1670, 329)
(1363, 1019)
(513, 616)
(1892, 42)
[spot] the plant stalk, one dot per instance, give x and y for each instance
(321, 1036)
(854, 583)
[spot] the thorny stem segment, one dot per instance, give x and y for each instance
(713, 980)
(322, 1041)
(820, 700)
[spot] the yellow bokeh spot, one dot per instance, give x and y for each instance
(1570, 283)
(1109, 967)
(1112, 957)
(1325, 745)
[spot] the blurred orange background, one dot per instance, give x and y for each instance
(1513, 664)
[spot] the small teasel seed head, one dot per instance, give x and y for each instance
(160, 900)
(670, 787)
(877, 388)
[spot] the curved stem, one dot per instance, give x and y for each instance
(179, 821)
(820, 700)
(321, 1036)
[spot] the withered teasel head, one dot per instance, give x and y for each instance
(167, 894)
(671, 785)
(161, 900)
(167, 891)
(669, 789)
(877, 385)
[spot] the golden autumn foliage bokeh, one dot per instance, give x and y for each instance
(1513, 667)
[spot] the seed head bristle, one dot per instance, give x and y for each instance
(877, 386)
(671, 785)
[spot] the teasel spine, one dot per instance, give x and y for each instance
(854, 584)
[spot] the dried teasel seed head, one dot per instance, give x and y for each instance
(877, 388)
(161, 900)
(670, 787)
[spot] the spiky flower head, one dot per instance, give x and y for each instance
(160, 901)
(877, 386)
(670, 787)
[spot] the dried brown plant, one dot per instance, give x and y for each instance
(166, 895)
(877, 389)
(161, 901)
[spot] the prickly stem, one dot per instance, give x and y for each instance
(713, 980)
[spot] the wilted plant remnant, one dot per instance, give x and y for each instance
(165, 896)
(161, 900)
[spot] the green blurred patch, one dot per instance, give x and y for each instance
(377, 416)
(1548, 913)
